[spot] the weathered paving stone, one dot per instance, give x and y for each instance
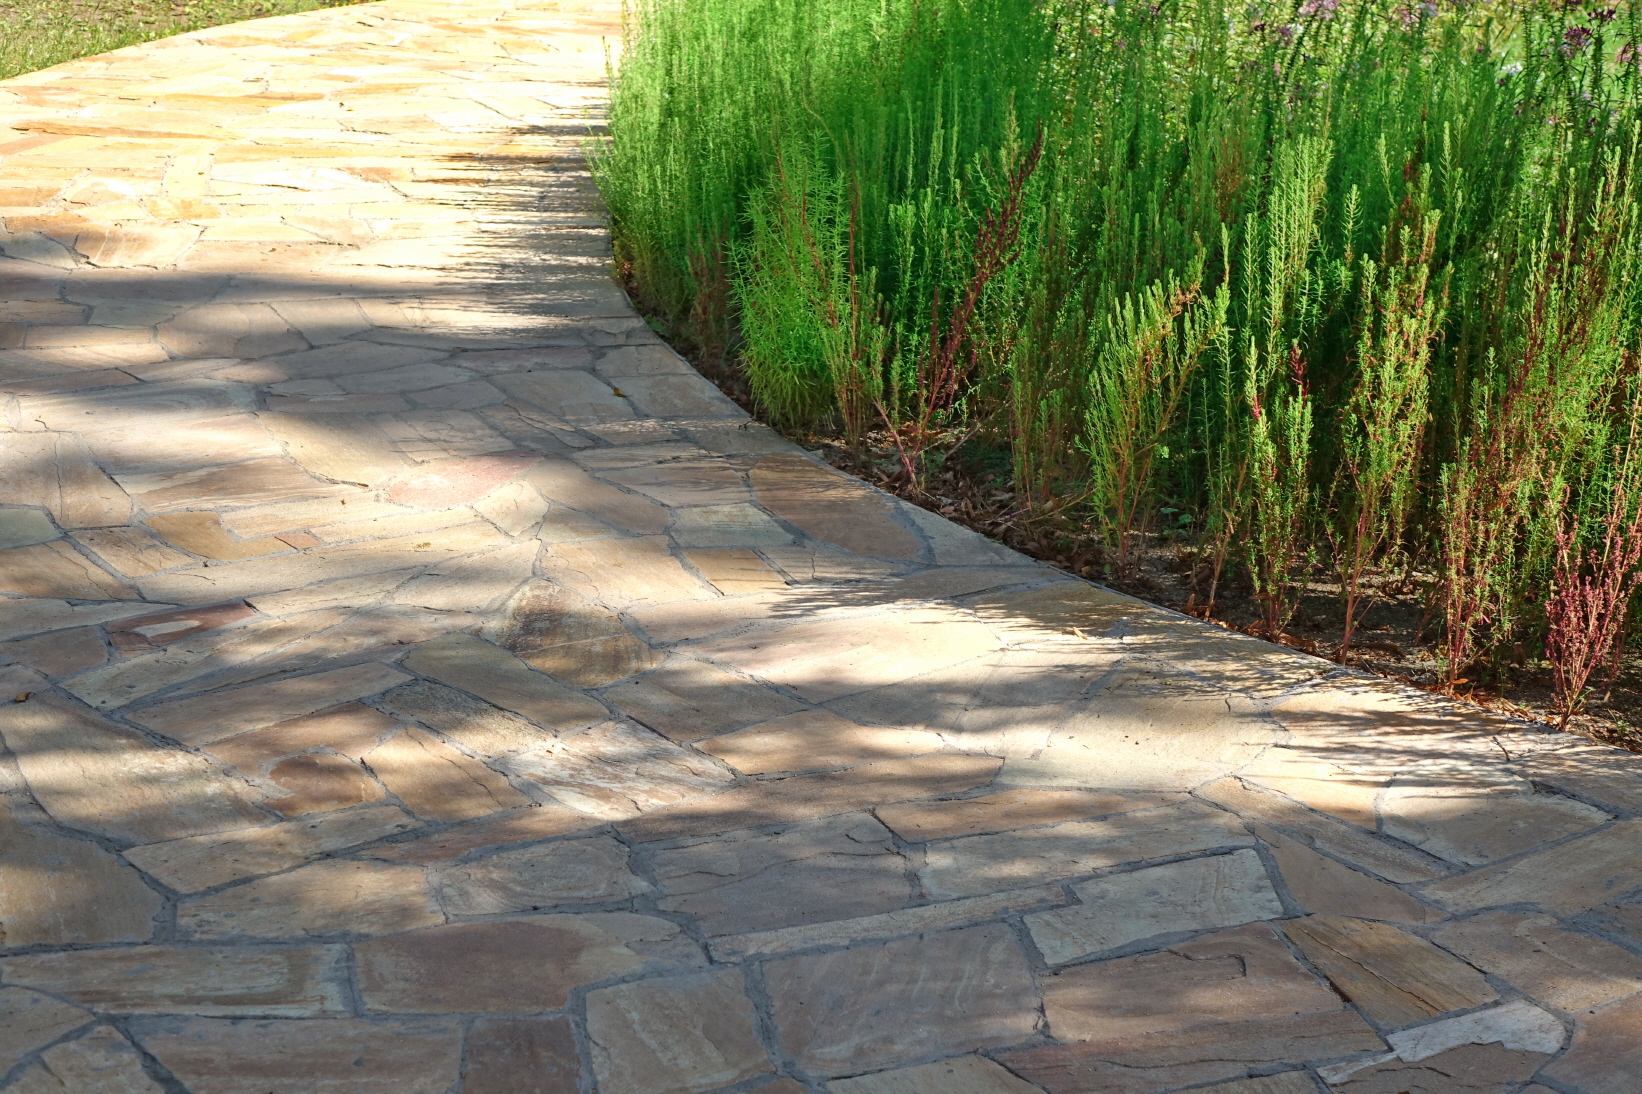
(1569, 971)
(1490, 1050)
(436, 781)
(57, 471)
(726, 525)
(528, 825)
(832, 508)
(23, 527)
(1606, 1052)
(690, 699)
(1214, 1008)
(965, 1075)
(350, 729)
(58, 654)
(29, 1019)
(1289, 1082)
(1569, 878)
(472, 583)
(58, 891)
(131, 551)
(1193, 895)
(1470, 817)
(735, 570)
(920, 821)
(893, 1002)
(220, 1056)
(622, 572)
(203, 534)
(1320, 884)
(814, 739)
(521, 1056)
(55, 570)
(615, 770)
(585, 871)
(215, 980)
(219, 715)
(145, 632)
(25, 617)
(498, 677)
(812, 871)
(1608, 776)
(100, 1061)
(473, 724)
(568, 637)
(323, 898)
(674, 1035)
(563, 482)
(195, 863)
(1395, 977)
(513, 965)
(682, 482)
(319, 782)
(1010, 860)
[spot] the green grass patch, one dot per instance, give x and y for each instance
(37, 34)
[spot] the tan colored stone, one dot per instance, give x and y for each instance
(472, 583)
(497, 676)
(1344, 841)
(204, 862)
(146, 632)
(351, 729)
(315, 513)
(921, 821)
(573, 396)
(512, 965)
(203, 534)
(180, 979)
(1572, 972)
(1566, 879)
(399, 524)
(101, 1061)
(56, 570)
(692, 699)
(1468, 1069)
(123, 246)
(735, 570)
(619, 572)
(95, 776)
(1607, 775)
(1053, 610)
(475, 725)
(831, 507)
(567, 484)
(528, 825)
(56, 891)
(229, 330)
(833, 658)
(566, 636)
(218, 715)
(1194, 895)
(964, 1075)
(24, 527)
(60, 653)
(1320, 884)
(733, 525)
(676, 1035)
(955, 991)
(586, 871)
(1395, 977)
(319, 782)
(1289, 1082)
(1606, 1054)
(514, 507)
(615, 770)
(57, 471)
(1011, 860)
(814, 739)
(1325, 786)
(320, 899)
(436, 781)
(254, 482)
(29, 1019)
(1487, 1050)
(519, 1055)
(306, 1057)
(23, 617)
(1472, 817)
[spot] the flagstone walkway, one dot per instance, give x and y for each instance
(418, 680)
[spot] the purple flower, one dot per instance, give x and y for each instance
(1575, 39)
(1319, 8)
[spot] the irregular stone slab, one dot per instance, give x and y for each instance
(808, 872)
(22, 527)
(965, 1075)
(1569, 878)
(568, 637)
(1011, 860)
(814, 739)
(29, 1019)
(735, 570)
(57, 472)
(24, 617)
(733, 525)
(1209, 1009)
(101, 1061)
(524, 826)
(458, 481)
(1486, 1051)
(1344, 841)
(676, 1035)
(57, 570)
(514, 507)
(573, 396)
(616, 770)
(1320, 884)
(495, 675)
(921, 821)
(567, 484)
(1484, 1069)
(229, 330)
(302, 1057)
(691, 699)
(1289, 1082)
(831, 507)
(689, 396)
(586, 871)
(204, 862)
(619, 572)
(473, 724)
(213, 717)
(131, 551)
(56, 891)
(351, 729)
(1472, 817)
(324, 898)
(1572, 972)
(772, 801)
(93, 775)
(1606, 1052)
(203, 534)
(298, 982)
(127, 450)
(146, 632)
(1395, 977)
(350, 507)
(905, 921)
(1220, 891)
(1053, 611)
(512, 1055)
(678, 482)
(149, 406)
(58, 654)
(254, 482)
(955, 991)
(513, 965)
(436, 781)
(1606, 775)
(833, 658)
(318, 783)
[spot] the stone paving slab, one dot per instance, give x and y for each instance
(416, 679)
